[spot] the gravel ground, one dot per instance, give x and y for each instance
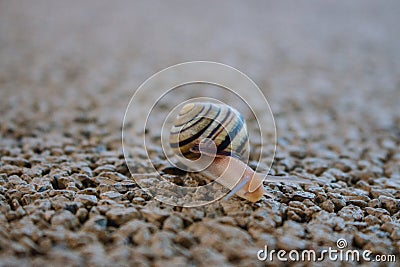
(330, 71)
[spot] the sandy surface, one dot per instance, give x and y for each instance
(330, 72)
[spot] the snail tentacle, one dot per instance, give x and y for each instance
(237, 187)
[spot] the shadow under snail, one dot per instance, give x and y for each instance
(217, 133)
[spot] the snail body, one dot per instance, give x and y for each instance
(218, 132)
(234, 174)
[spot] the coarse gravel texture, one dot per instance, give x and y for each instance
(331, 73)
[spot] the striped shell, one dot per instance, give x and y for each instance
(220, 123)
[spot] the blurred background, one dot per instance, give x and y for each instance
(60, 57)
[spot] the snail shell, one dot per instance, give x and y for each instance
(199, 121)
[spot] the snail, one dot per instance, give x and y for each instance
(218, 132)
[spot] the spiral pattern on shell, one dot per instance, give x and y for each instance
(222, 124)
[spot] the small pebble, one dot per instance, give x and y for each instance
(119, 216)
